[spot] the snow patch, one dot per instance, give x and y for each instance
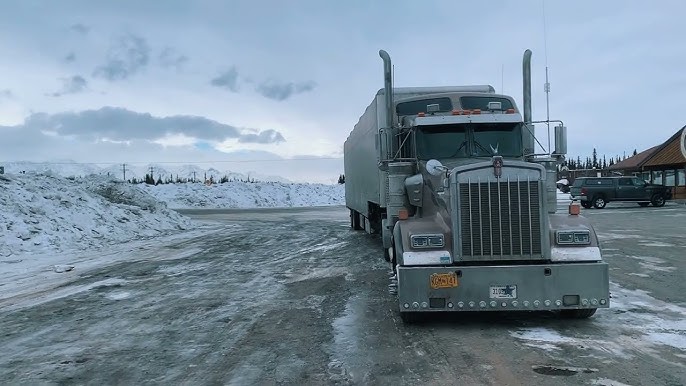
(607, 382)
(45, 213)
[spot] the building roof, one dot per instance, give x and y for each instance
(669, 152)
(636, 161)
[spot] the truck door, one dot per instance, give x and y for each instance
(642, 192)
(626, 190)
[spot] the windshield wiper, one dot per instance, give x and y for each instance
(459, 148)
(482, 147)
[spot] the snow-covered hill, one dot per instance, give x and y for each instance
(246, 195)
(49, 213)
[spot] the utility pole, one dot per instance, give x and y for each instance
(123, 166)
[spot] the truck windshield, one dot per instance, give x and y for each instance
(469, 140)
(497, 139)
(442, 141)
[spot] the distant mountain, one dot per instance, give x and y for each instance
(67, 168)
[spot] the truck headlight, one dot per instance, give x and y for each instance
(427, 241)
(581, 237)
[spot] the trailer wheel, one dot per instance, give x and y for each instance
(354, 220)
(578, 314)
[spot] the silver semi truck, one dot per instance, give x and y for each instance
(465, 207)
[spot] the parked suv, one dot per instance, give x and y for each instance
(598, 191)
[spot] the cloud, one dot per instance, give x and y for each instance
(266, 136)
(72, 85)
(118, 124)
(6, 94)
(281, 91)
(228, 80)
(79, 28)
(70, 57)
(169, 58)
(126, 56)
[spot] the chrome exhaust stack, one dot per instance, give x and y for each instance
(388, 87)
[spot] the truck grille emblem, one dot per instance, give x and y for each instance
(498, 166)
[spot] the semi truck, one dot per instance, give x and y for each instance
(449, 177)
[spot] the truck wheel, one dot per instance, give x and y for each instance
(586, 204)
(643, 204)
(578, 314)
(658, 200)
(410, 317)
(599, 202)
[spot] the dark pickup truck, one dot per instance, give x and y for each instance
(598, 191)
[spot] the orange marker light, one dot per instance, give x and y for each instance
(476, 111)
(421, 114)
(403, 214)
(574, 208)
(510, 111)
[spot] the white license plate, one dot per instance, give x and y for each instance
(503, 292)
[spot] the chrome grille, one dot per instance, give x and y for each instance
(500, 219)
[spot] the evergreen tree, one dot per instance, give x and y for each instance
(341, 179)
(604, 162)
(594, 160)
(159, 180)
(635, 152)
(149, 179)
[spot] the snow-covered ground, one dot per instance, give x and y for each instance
(247, 195)
(45, 213)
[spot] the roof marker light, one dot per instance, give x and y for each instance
(510, 111)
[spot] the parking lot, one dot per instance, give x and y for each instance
(294, 296)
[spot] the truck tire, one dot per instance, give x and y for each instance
(587, 204)
(410, 317)
(658, 200)
(643, 204)
(599, 202)
(584, 313)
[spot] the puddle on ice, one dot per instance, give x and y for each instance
(346, 361)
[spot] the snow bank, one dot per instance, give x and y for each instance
(40, 213)
(247, 195)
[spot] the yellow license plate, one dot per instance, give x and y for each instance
(443, 280)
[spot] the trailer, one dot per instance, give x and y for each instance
(466, 208)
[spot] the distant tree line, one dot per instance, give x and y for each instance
(593, 161)
(171, 179)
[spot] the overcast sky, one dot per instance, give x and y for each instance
(181, 81)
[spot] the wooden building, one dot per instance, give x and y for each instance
(664, 164)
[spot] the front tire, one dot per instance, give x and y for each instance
(658, 200)
(599, 202)
(578, 314)
(410, 317)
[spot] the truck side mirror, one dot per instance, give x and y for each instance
(560, 140)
